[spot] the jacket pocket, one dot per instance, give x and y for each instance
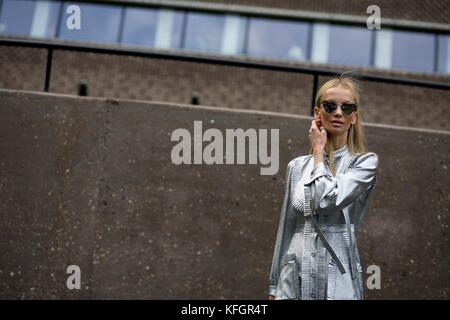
(288, 282)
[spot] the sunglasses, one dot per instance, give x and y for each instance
(347, 107)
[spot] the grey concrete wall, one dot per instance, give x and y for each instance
(89, 182)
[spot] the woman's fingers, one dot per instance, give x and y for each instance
(316, 127)
(313, 127)
(317, 133)
(318, 121)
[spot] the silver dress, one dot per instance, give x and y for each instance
(316, 254)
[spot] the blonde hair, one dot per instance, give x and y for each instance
(356, 141)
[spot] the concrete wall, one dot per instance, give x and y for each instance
(90, 182)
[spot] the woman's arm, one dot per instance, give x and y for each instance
(335, 193)
(276, 260)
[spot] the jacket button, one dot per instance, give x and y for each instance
(313, 254)
(313, 275)
(313, 295)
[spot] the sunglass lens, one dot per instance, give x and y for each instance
(329, 106)
(348, 108)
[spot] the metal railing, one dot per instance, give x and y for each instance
(315, 72)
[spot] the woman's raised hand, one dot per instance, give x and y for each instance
(318, 120)
(317, 135)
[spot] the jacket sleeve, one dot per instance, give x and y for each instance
(335, 193)
(276, 261)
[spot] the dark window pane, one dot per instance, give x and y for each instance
(444, 54)
(279, 39)
(413, 51)
(204, 32)
(350, 45)
(29, 18)
(98, 23)
(140, 26)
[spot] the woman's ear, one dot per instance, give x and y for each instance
(316, 111)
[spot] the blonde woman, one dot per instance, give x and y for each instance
(327, 191)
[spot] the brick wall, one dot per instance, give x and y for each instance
(22, 68)
(138, 78)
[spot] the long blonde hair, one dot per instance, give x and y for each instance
(356, 141)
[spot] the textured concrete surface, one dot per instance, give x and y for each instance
(89, 182)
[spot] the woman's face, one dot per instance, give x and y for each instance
(336, 122)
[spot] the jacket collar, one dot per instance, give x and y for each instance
(339, 152)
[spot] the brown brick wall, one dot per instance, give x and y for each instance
(171, 81)
(22, 68)
(138, 78)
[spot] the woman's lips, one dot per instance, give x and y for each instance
(336, 123)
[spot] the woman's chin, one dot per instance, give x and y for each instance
(335, 131)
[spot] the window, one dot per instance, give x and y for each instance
(99, 23)
(444, 54)
(233, 39)
(413, 51)
(320, 42)
(350, 45)
(230, 34)
(383, 48)
(278, 39)
(29, 18)
(152, 27)
(140, 26)
(204, 32)
(169, 29)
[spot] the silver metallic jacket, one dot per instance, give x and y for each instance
(316, 255)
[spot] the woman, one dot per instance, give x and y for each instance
(316, 255)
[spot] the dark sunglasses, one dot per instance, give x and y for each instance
(347, 107)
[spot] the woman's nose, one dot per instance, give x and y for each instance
(338, 111)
